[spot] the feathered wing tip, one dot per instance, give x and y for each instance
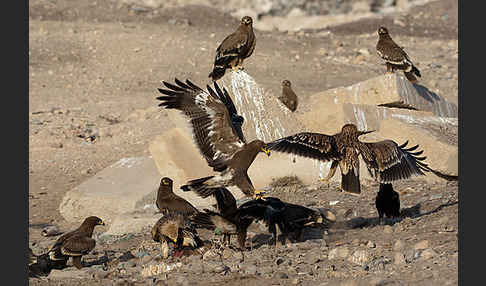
(411, 75)
(195, 184)
(411, 165)
(350, 183)
(203, 220)
(217, 73)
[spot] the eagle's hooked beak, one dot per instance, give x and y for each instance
(266, 151)
(101, 222)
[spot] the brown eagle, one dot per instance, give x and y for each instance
(394, 56)
(177, 229)
(234, 49)
(288, 97)
(215, 135)
(167, 201)
(385, 160)
(76, 243)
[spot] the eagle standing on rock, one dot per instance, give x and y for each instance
(288, 97)
(234, 49)
(387, 202)
(215, 136)
(394, 56)
(76, 243)
(386, 160)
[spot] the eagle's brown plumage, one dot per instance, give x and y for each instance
(234, 49)
(175, 228)
(76, 243)
(167, 201)
(386, 160)
(288, 97)
(227, 219)
(394, 56)
(214, 134)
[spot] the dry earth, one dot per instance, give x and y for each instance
(94, 67)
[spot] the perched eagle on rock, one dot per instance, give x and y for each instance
(394, 56)
(288, 97)
(234, 49)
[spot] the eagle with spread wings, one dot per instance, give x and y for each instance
(385, 160)
(218, 138)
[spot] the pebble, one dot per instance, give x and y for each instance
(398, 245)
(279, 260)
(421, 245)
(428, 253)
(399, 258)
(359, 257)
(281, 275)
(388, 229)
(338, 252)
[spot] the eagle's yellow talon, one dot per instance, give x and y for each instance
(259, 194)
(325, 180)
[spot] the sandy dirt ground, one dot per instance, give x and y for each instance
(94, 69)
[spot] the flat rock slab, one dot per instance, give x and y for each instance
(112, 191)
(117, 191)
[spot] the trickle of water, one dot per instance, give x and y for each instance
(266, 118)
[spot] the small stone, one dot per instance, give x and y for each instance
(338, 252)
(398, 245)
(399, 258)
(388, 229)
(146, 259)
(371, 244)
(428, 253)
(251, 270)
(281, 275)
(295, 281)
(421, 245)
(359, 257)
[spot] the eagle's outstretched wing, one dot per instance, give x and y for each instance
(311, 145)
(210, 119)
(387, 161)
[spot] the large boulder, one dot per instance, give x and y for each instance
(388, 104)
